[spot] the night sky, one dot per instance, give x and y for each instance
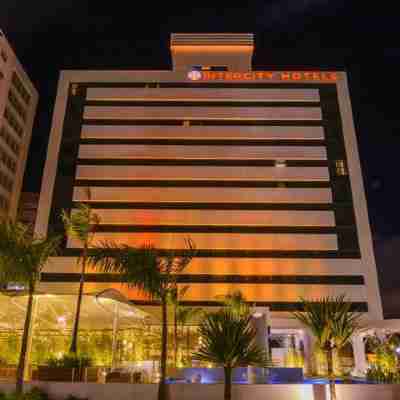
(363, 38)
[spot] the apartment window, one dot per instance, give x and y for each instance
(18, 107)
(6, 182)
(7, 138)
(341, 169)
(280, 163)
(13, 122)
(210, 68)
(20, 88)
(3, 203)
(3, 55)
(8, 161)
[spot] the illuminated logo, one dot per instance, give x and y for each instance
(277, 76)
(194, 75)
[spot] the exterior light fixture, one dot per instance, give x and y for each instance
(280, 163)
(15, 286)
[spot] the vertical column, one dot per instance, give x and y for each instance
(68, 155)
(305, 339)
(259, 321)
(360, 361)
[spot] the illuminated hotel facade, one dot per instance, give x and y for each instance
(259, 168)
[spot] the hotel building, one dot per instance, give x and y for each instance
(18, 101)
(260, 168)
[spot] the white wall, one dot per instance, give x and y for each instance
(122, 391)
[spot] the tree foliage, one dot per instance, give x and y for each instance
(229, 340)
(22, 259)
(23, 256)
(330, 320)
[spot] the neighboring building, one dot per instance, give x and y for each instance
(28, 206)
(259, 168)
(18, 101)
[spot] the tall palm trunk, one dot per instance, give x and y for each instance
(228, 383)
(74, 343)
(175, 337)
(24, 346)
(188, 345)
(162, 387)
(329, 361)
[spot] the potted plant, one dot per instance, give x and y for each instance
(228, 340)
(68, 368)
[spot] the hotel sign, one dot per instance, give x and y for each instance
(280, 76)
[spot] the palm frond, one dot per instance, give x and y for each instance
(329, 319)
(185, 314)
(80, 223)
(137, 266)
(23, 256)
(229, 340)
(235, 302)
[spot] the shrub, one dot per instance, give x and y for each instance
(34, 394)
(72, 397)
(70, 361)
(379, 374)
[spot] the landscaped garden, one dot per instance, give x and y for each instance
(104, 338)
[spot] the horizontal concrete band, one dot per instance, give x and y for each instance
(271, 292)
(219, 240)
(209, 278)
(202, 132)
(243, 266)
(99, 151)
(204, 94)
(203, 194)
(202, 173)
(203, 292)
(207, 113)
(216, 217)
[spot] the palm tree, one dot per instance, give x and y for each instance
(151, 272)
(236, 302)
(80, 225)
(184, 315)
(228, 340)
(22, 258)
(174, 297)
(332, 323)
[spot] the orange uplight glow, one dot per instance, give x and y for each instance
(216, 48)
(284, 76)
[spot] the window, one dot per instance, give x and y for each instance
(280, 163)
(7, 138)
(18, 107)
(341, 169)
(17, 83)
(6, 182)
(12, 121)
(8, 161)
(3, 203)
(3, 55)
(210, 68)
